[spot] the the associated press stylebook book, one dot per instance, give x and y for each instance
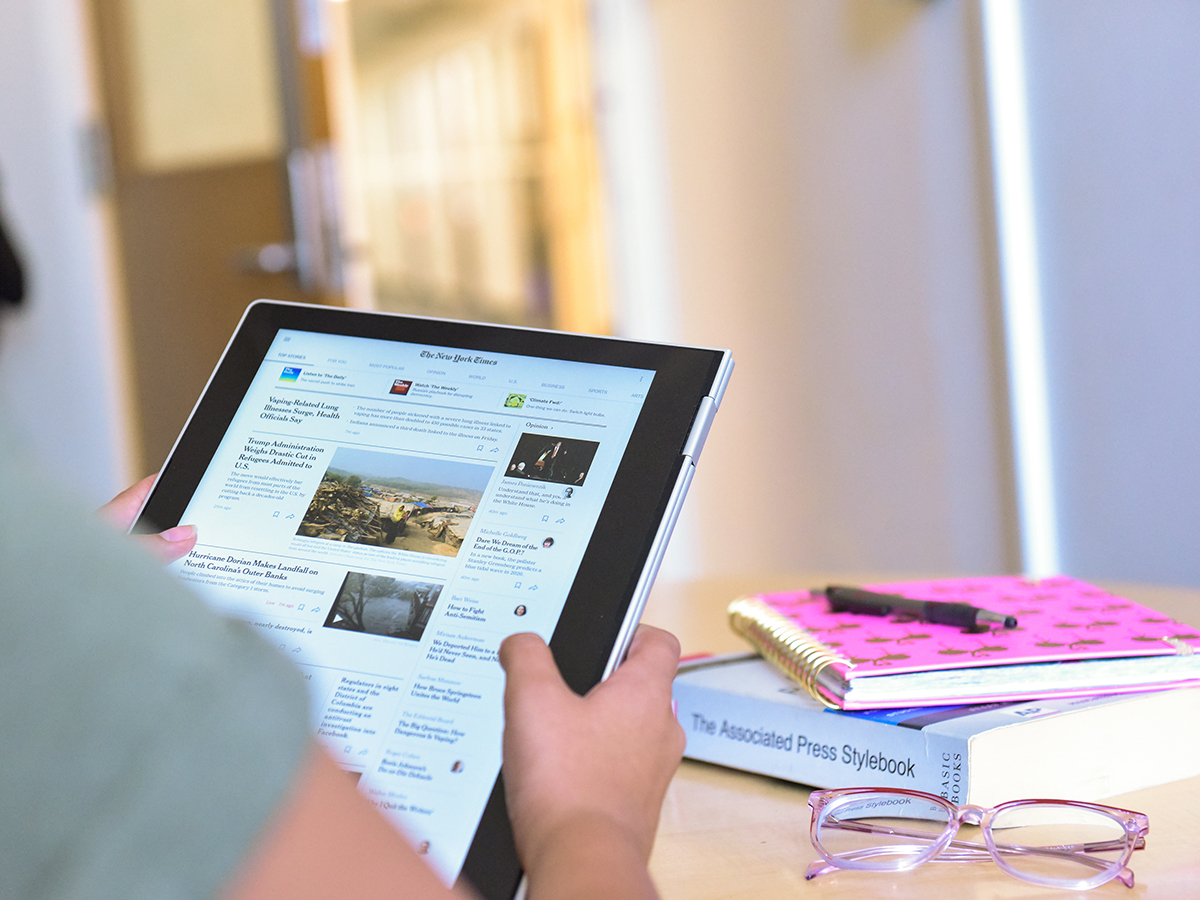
(739, 711)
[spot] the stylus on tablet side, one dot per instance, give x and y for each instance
(705, 413)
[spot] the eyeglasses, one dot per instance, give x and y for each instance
(1052, 843)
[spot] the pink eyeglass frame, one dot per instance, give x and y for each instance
(946, 849)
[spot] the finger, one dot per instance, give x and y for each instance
(653, 655)
(122, 509)
(170, 545)
(656, 638)
(526, 658)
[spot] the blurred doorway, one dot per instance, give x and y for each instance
(200, 144)
(474, 162)
(435, 157)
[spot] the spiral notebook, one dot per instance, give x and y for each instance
(1072, 639)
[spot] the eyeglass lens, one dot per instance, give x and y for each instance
(881, 831)
(1050, 843)
(1045, 843)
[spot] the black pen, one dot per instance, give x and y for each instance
(962, 615)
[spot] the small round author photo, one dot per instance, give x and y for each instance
(520, 610)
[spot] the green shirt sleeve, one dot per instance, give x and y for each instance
(144, 740)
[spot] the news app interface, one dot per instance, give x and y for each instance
(386, 513)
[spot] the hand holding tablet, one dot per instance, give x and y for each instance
(564, 754)
(122, 510)
(586, 776)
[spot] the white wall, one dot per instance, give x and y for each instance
(1115, 134)
(60, 383)
(829, 185)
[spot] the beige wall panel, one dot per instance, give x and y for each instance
(204, 85)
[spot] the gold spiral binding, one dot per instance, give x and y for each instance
(784, 644)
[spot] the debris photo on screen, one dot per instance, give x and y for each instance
(405, 502)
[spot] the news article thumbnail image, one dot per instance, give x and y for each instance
(406, 502)
(547, 458)
(380, 604)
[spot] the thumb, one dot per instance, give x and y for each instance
(170, 545)
(527, 661)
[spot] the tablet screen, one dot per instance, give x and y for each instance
(385, 512)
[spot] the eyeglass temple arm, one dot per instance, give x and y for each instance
(1139, 841)
(963, 854)
(965, 851)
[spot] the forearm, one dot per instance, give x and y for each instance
(589, 857)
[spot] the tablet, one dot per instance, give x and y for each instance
(387, 497)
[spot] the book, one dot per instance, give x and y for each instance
(1072, 639)
(741, 712)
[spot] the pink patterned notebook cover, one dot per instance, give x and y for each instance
(1058, 618)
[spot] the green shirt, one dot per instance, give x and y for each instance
(144, 740)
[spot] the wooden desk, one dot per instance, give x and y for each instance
(727, 834)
